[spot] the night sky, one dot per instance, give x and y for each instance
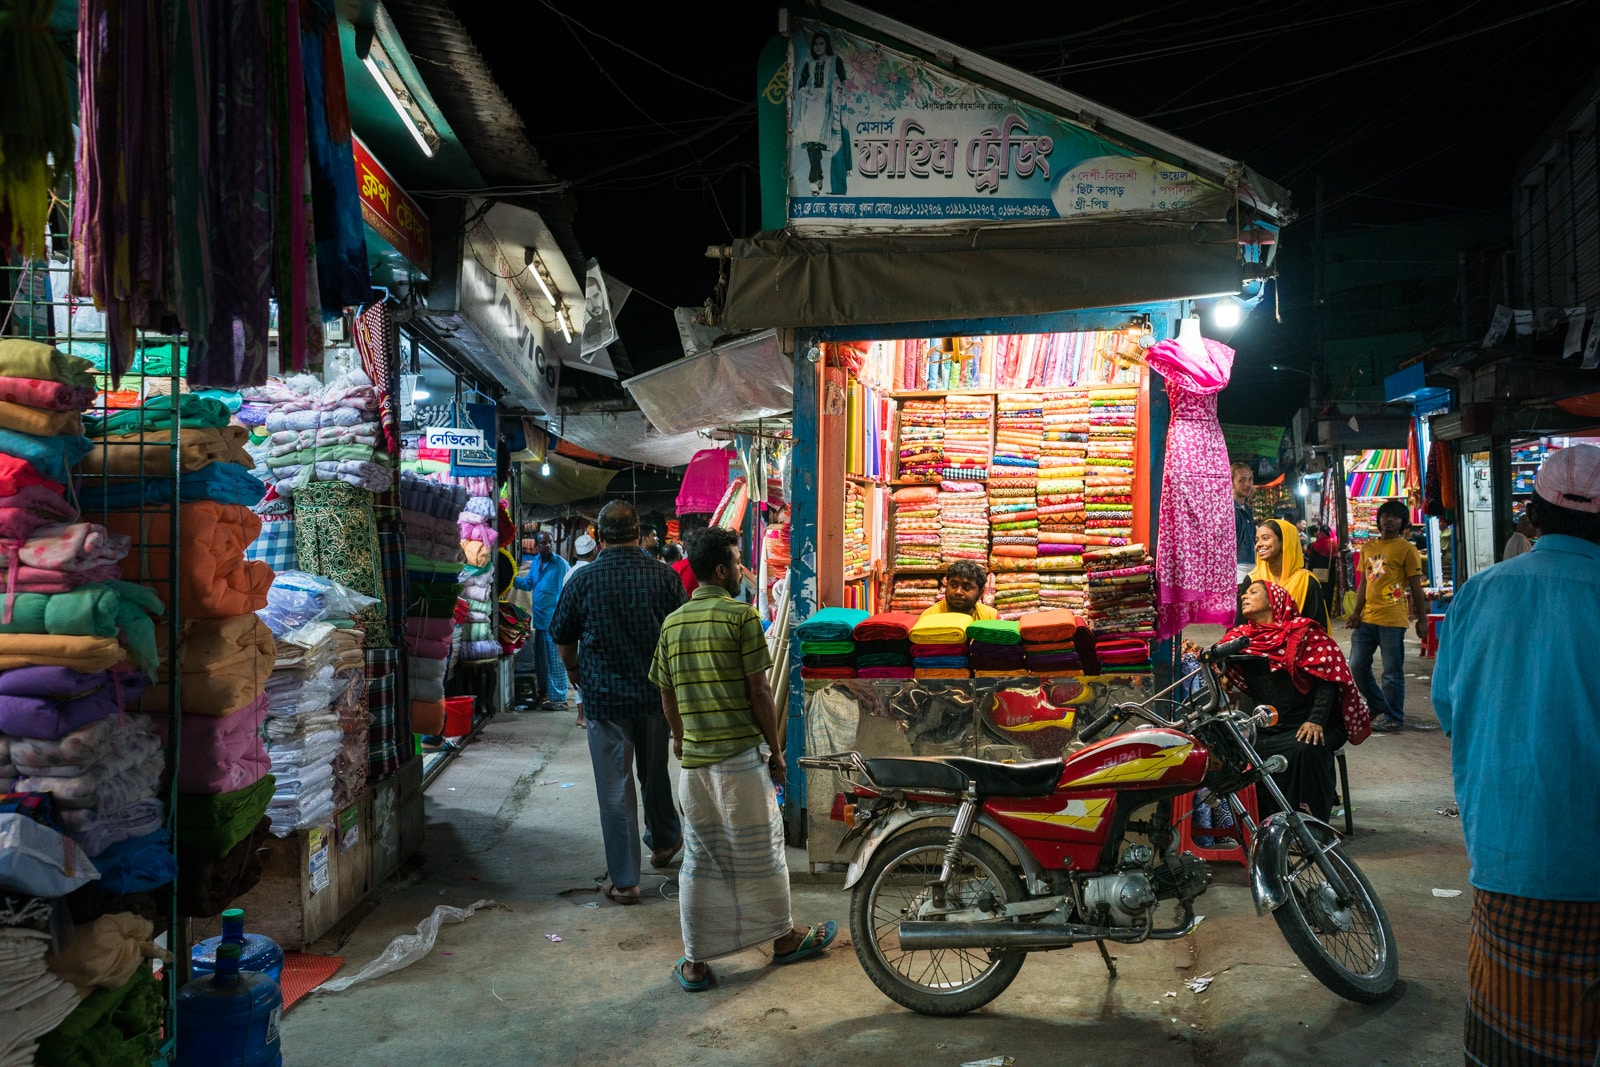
(1408, 109)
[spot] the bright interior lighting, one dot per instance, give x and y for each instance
(420, 394)
(400, 109)
(544, 468)
(566, 331)
(1225, 313)
(538, 276)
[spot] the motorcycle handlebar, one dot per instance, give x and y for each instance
(1222, 651)
(1214, 654)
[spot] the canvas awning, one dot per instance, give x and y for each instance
(745, 378)
(784, 280)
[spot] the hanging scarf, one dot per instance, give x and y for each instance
(1292, 574)
(1294, 644)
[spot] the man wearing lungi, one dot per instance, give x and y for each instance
(711, 664)
(1516, 689)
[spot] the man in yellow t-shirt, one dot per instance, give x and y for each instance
(963, 585)
(1391, 571)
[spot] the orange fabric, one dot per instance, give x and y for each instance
(940, 672)
(215, 580)
(1015, 551)
(223, 664)
(1048, 626)
(916, 495)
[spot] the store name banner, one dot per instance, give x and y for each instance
(388, 210)
(450, 439)
(502, 311)
(878, 139)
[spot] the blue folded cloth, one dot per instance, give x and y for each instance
(939, 661)
(831, 624)
(53, 457)
(137, 865)
(225, 483)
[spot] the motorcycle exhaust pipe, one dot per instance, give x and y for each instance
(916, 936)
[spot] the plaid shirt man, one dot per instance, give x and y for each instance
(613, 610)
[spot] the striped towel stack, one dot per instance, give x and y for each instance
(1108, 467)
(922, 439)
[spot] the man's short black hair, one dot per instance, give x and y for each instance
(968, 569)
(619, 523)
(1398, 509)
(1550, 518)
(708, 550)
(672, 553)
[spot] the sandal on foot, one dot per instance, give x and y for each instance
(690, 987)
(620, 896)
(816, 939)
(662, 858)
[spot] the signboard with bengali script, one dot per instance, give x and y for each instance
(388, 210)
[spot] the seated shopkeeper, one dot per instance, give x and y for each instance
(1296, 667)
(963, 585)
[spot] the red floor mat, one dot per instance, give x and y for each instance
(303, 972)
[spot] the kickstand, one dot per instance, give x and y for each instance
(1111, 961)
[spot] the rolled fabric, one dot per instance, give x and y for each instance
(38, 421)
(212, 825)
(220, 754)
(224, 664)
(87, 654)
(151, 454)
(38, 393)
(215, 580)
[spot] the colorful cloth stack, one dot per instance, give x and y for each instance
(1063, 591)
(1016, 593)
(1061, 474)
(939, 646)
(967, 422)
(1108, 466)
(1051, 642)
(883, 645)
(1122, 604)
(323, 433)
(915, 595)
(922, 440)
(827, 647)
(994, 648)
(916, 526)
(434, 559)
(1013, 484)
(963, 522)
(857, 555)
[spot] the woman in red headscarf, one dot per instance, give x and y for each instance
(1297, 668)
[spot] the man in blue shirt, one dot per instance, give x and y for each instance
(1517, 690)
(543, 575)
(1244, 522)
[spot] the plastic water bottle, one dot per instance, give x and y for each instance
(230, 1017)
(257, 952)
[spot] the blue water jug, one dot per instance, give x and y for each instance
(257, 953)
(230, 1018)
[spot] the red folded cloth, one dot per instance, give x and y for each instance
(924, 651)
(885, 626)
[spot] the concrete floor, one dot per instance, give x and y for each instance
(512, 819)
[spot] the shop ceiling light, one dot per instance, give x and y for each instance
(1225, 313)
(376, 61)
(544, 468)
(566, 330)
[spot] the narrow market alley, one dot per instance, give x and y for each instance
(512, 820)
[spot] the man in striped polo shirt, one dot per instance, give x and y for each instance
(711, 666)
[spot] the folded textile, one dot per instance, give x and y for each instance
(215, 580)
(921, 650)
(137, 864)
(940, 672)
(51, 650)
(884, 672)
(31, 507)
(827, 672)
(188, 410)
(128, 773)
(32, 359)
(212, 825)
(220, 754)
(1047, 626)
(943, 628)
(826, 648)
(223, 663)
(96, 830)
(830, 624)
(151, 454)
(221, 482)
(993, 632)
(111, 1027)
(39, 422)
(207, 884)
(68, 548)
(38, 393)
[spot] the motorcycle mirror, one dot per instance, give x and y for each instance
(1266, 715)
(1275, 764)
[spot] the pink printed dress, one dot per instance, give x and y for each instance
(1195, 564)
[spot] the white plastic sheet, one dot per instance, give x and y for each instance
(406, 949)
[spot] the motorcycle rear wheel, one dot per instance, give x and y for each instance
(894, 885)
(1350, 950)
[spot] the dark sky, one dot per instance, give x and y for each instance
(1408, 109)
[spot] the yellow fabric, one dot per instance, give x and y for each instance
(982, 611)
(40, 423)
(1292, 573)
(1386, 569)
(105, 953)
(944, 628)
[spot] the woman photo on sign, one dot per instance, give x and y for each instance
(818, 95)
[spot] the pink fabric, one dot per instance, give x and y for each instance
(220, 755)
(705, 480)
(429, 647)
(52, 396)
(417, 626)
(30, 508)
(1195, 570)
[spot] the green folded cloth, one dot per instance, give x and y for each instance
(99, 610)
(30, 359)
(214, 824)
(995, 631)
(827, 648)
(111, 1028)
(432, 566)
(192, 411)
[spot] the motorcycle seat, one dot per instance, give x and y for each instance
(1036, 778)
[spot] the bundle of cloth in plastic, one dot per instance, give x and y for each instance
(313, 432)
(827, 643)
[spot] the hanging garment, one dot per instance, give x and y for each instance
(336, 204)
(1195, 565)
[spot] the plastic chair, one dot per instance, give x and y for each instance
(1182, 805)
(1430, 642)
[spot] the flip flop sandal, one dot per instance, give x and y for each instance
(618, 896)
(811, 945)
(671, 854)
(688, 986)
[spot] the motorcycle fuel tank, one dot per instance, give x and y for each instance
(1069, 827)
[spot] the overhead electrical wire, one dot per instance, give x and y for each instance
(643, 58)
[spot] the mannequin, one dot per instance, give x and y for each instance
(1189, 336)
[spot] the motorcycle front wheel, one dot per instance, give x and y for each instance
(1349, 949)
(892, 890)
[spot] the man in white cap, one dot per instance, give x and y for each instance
(1516, 688)
(583, 550)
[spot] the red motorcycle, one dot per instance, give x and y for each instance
(963, 866)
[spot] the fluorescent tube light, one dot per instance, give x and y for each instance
(400, 108)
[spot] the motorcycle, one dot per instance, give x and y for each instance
(963, 866)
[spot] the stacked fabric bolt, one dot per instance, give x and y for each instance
(132, 464)
(479, 540)
(1122, 604)
(883, 645)
(1016, 593)
(827, 644)
(324, 434)
(434, 559)
(1058, 591)
(1052, 642)
(994, 648)
(916, 526)
(963, 521)
(33, 999)
(857, 555)
(775, 564)
(967, 422)
(939, 646)
(914, 594)
(922, 440)
(1013, 484)
(1061, 473)
(1109, 467)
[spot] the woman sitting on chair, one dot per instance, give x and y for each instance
(1296, 667)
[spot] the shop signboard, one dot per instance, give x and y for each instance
(476, 462)
(389, 211)
(451, 439)
(501, 301)
(879, 140)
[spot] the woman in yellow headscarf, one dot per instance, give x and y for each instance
(1281, 561)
